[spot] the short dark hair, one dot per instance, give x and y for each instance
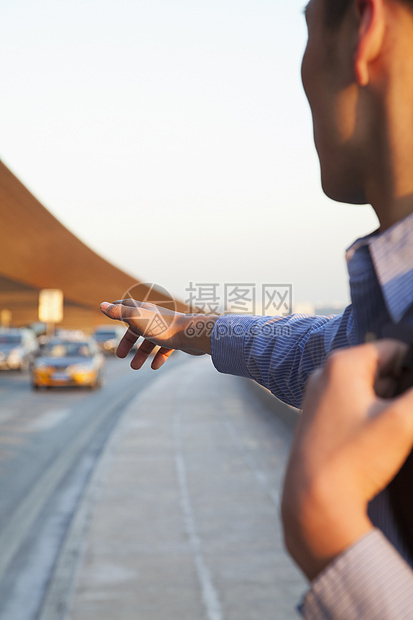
(336, 10)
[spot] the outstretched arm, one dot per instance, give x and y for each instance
(160, 327)
(277, 352)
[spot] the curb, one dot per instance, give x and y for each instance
(286, 414)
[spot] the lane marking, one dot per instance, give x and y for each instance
(61, 591)
(48, 420)
(209, 593)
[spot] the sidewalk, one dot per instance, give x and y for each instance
(185, 520)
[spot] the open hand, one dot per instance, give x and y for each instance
(159, 327)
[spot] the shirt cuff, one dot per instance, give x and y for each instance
(227, 343)
(368, 580)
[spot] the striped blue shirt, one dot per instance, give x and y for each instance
(370, 580)
(281, 352)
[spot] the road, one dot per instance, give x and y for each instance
(50, 442)
(184, 523)
(179, 520)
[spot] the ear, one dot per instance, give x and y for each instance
(371, 27)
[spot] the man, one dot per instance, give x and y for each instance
(358, 75)
(357, 72)
(332, 475)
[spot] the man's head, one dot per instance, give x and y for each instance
(336, 10)
(357, 73)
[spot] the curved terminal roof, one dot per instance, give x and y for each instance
(38, 252)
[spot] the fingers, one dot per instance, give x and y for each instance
(133, 303)
(146, 305)
(351, 382)
(145, 350)
(120, 311)
(126, 343)
(369, 367)
(388, 440)
(138, 315)
(386, 358)
(110, 310)
(161, 357)
(116, 312)
(142, 354)
(128, 302)
(390, 356)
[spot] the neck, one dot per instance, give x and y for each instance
(391, 202)
(389, 186)
(394, 210)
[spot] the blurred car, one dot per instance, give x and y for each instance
(68, 363)
(70, 334)
(18, 348)
(108, 338)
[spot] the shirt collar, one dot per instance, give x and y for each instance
(392, 257)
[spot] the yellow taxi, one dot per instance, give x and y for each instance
(68, 363)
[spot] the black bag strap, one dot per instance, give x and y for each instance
(401, 487)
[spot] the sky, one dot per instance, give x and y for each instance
(174, 138)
